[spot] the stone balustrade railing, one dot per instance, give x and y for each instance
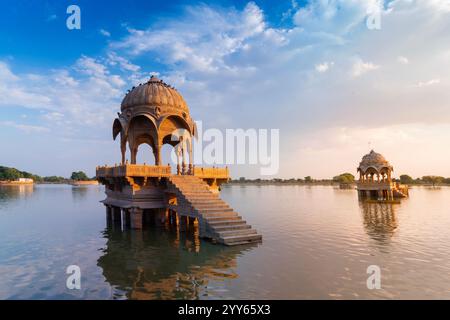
(375, 183)
(212, 173)
(133, 170)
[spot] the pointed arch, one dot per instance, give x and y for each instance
(142, 129)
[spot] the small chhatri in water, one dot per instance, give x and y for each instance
(375, 179)
(154, 113)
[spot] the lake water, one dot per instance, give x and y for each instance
(317, 244)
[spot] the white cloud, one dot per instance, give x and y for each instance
(403, 60)
(105, 33)
(360, 67)
(324, 66)
(25, 127)
(205, 39)
(114, 59)
(83, 96)
(428, 83)
(332, 16)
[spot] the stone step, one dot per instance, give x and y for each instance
(206, 206)
(214, 210)
(224, 221)
(196, 193)
(194, 190)
(218, 214)
(236, 233)
(220, 228)
(202, 202)
(201, 197)
(223, 217)
(234, 240)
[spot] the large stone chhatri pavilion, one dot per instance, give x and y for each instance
(154, 113)
(375, 179)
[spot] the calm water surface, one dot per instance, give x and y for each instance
(317, 244)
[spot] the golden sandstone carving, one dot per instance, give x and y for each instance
(375, 179)
(154, 113)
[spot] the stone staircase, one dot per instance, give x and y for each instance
(399, 194)
(217, 220)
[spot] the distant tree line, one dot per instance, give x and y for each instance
(345, 178)
(425, 180)
(12, 174)
(305, 180)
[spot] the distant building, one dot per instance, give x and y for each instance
(19, 181)
(375, 179)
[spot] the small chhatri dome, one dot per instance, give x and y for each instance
(155, 93)
(374, 160)
(153, 113)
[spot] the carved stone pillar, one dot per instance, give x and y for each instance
(157, 154)
(191, 160)
(133, 155)
(178, 152)
(183, 154)
(123, 149)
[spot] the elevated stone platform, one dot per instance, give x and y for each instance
(137, 192)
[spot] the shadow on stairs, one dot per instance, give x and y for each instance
(217, 220)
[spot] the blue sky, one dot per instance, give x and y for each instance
(312, 69)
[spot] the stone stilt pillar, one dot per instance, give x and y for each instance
(160, 217)
(202, 233)
(380, 195)
(108, 215)
(368, 194)
(125, 218)
(115, 213)
(182, 223)
(166, 216)
(116, 217)
(136, 218)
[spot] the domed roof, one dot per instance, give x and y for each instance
(374, 160)
(155, 93)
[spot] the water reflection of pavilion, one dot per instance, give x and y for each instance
(380, 220)
(156, 264)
